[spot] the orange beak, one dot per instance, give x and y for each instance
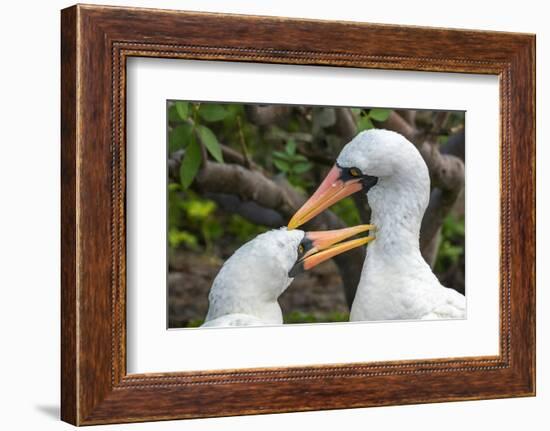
(323, 245)
(331, 190)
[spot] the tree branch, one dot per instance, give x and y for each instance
(270, 202)
(398, 124)
(266, 115)
(456, 145)
(409, 115)
(232, 156)
(249, 210)
(345, 124)
(429, 251)
(242, 142)
(248, 185)
(446, 170)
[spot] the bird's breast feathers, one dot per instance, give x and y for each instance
(397, 297)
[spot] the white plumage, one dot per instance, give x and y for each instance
(235, 319)
(396, 282)
(246, 289)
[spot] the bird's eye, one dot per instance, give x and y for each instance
(354, 172)
(301, 249)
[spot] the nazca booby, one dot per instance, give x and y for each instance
(246, 289)
(396, 282)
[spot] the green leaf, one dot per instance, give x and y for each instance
(301, 167)
(180, 137)
(452, 227)
(282, 165)
(291, 147)
(211, 112)
(299, 158)
(174, 187)
(281, 155)
(299, 317)
(242, 229)
(379, 114)
(275, 133)
(195, 323)
(212, 229)
(173, 114)
(210, 141)
(199, 209)
(347, 211)
(442, 139)
(191, 162)
(177, 237)
(183, 109)
(364, 124)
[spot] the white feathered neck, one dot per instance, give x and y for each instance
(401, 195)
(396, 282)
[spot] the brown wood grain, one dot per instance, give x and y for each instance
(68, 218)
(96, 41)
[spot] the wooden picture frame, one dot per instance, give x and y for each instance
(95, 43)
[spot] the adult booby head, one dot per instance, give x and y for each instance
(246, 289)
(396, 282)
(381, 163)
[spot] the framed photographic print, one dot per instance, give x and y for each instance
(266, 215)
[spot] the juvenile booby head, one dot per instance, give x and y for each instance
(246, 289)
(396, 282)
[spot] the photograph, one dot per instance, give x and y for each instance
(263, 212)
(287, 214)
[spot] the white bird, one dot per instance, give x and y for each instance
(246, 290)
(396, 282)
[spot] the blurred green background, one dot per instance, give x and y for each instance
(294, 146)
